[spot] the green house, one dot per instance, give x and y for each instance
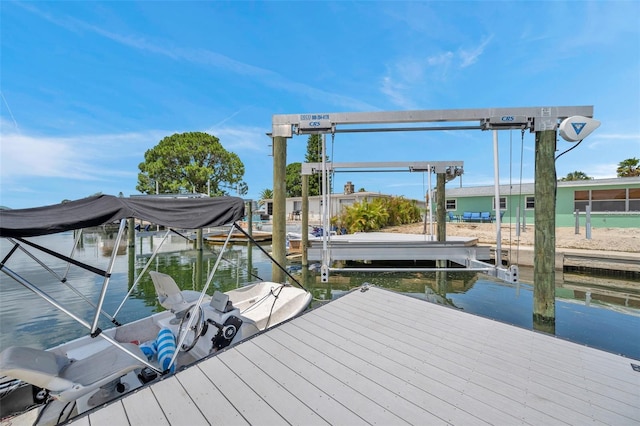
(614, 203)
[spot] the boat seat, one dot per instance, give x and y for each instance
(169, 294)
(66, 379)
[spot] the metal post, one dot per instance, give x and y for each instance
(278, 238)
(305, 220)
(430, 205)
(588, 222)
(496, 178)
(324, 268)
(577, 214)
(518, 222)
(544, 316)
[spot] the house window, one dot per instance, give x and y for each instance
(270, 209)
(503, 203)
(451, 204)
(607, 200)
(634, 199)
(529, 203)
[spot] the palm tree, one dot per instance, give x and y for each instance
(628, 168)
(265, 194)
(576, 176)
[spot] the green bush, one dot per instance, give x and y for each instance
(372, 216)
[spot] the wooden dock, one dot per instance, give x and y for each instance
(378, 357)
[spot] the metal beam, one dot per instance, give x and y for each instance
(534, 118)
(411, 166)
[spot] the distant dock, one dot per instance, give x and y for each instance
(237, 237)
(378, 357)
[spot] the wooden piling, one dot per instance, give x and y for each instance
(545, 233)
(279, 221)
(441, 208)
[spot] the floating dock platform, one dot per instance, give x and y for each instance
(378, 357)
(371, 246)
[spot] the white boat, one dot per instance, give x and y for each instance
(51, 386)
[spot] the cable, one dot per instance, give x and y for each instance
(520, 192)
(573, 147)
(269, 256)
(510, 191)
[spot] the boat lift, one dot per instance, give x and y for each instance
(574, 122)
(457, 251)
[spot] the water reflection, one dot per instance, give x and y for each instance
(604, 313)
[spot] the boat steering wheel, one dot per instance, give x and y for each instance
(196, 328)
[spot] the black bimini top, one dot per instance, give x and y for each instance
(178, 213)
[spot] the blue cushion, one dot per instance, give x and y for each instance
(166, 343)
(149, 348)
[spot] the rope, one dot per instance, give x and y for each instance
(275, 299)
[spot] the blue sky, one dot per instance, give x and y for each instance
(88, 87)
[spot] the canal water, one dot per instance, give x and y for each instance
(600, 312)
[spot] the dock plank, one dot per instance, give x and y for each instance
(212, 403)
(308, 392)
(244, 399)
(476, 383)
(379, 357)
(177, 405)
(143, 408)
(353, 390)
(269, 388)
(360, 374)
(418, 373)
(112, 414)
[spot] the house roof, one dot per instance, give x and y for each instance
(529, 187)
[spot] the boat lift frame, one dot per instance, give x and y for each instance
(284, 126)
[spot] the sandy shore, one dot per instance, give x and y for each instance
(602, 239)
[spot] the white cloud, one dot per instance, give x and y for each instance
(208, 58)
(241, 138)
(395, 92)
(470, 56)
(623, 141)
(410, 75)
(83, 157)
(603, 171)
